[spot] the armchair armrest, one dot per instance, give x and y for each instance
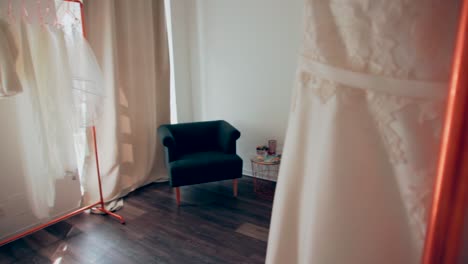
(227, 137)
(167, 139)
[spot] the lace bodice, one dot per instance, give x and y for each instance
(396, 54)
(403, 39)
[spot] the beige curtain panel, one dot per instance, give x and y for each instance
(131, 46)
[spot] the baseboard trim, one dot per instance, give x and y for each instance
(247, 172)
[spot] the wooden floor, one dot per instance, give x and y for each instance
(211, 226)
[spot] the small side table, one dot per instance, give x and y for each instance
(265, 173)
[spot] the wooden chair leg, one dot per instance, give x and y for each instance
(234, 187)
(177, 189)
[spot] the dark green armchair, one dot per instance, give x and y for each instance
(201, 152)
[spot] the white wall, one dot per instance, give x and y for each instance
(242, 56)
(179, 57)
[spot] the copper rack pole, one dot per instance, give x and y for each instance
(446, 219)
(101, 201)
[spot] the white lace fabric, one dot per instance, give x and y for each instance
(395, 57)
(400, 39)
(405, 40)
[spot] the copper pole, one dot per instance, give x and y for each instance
(445, 225)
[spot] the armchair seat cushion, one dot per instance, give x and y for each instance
(204, 167)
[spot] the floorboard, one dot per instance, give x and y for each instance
(210, 226)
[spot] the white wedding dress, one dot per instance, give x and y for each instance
(62, 85)
(45, 112)
(363, 136)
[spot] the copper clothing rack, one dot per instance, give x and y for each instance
(100, 205)
(444, 239)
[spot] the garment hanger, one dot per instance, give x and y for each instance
(25, 13)
(48, 14)
(40, 16)
(45, 18)
(11, 15)
(69, 12)
(66, 11)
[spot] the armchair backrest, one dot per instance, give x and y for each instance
(196, 137)
(186, 138)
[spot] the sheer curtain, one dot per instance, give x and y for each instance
(130, 42)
